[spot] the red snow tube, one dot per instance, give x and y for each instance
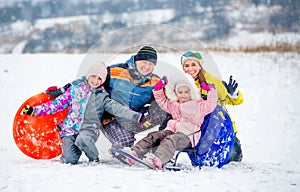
(38, 137)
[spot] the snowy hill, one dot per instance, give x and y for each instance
(268, 124)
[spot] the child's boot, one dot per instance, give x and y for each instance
(131, 152)
(156, 162)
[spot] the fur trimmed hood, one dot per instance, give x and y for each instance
(181, 78)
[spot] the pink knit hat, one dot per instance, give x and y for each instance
(97, 68)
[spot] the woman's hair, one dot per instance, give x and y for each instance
(200, 75)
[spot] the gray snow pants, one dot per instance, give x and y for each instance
(164, 143)
(72, 147)
(70, 152)
(86, 142)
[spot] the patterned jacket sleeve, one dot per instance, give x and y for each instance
(58, 104)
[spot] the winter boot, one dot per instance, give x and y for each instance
(94, 161)
(237, 153)
(156, 162)
(131, 152)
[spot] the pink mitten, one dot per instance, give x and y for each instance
(206, 86)
(161, 84)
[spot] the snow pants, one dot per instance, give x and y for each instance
(70, 152)
(122, 133)
(118, 136)
(164, 143)
(86, 142)
(237, 153)
(73, 145)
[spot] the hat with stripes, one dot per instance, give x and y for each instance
(146, 53)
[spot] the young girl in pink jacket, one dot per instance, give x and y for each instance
(182, 131)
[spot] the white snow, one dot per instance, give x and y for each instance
(268, 124)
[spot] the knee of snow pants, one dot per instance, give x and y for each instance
(118, 136)
(237, 154)
(170, 144)
(70, 152)
(86, 141)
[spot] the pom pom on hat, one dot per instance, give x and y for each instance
(146, 53)
(97, 68)
(192, 55)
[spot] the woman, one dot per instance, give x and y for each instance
(192, 63)
(228, 94)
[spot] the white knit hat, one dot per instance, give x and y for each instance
(178, 85)
(97, 68)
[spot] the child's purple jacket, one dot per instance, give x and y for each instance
(86, 107)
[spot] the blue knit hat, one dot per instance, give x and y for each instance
(146, 53)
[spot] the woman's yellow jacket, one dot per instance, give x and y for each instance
(223, 97)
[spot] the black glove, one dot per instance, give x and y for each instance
(55, 92)
(231, 86)
(28, 110)
(145, 121)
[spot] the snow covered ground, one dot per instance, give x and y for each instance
(268, 124)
